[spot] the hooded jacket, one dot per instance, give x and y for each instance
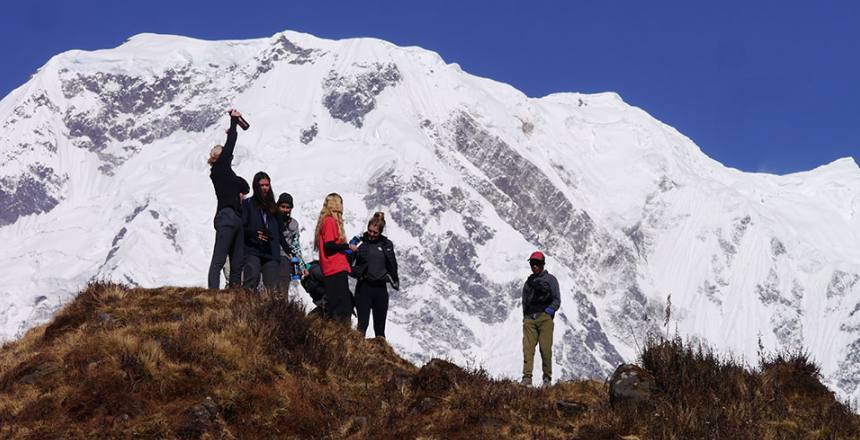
(539, 292)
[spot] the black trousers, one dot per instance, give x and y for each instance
(229, 241)
(371, 296)
(254, 267)
(338, 297)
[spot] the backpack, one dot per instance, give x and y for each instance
(541, 291)
(313, 283)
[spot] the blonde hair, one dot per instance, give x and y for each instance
(332, 206)
(377, 220)
(214, 154)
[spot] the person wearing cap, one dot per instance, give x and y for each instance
(541, 299)
(290, 244)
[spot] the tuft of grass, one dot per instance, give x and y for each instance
(120, 362)
(702, 395)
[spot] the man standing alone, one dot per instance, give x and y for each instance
(541, 299)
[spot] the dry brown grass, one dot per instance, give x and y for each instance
(193, 363)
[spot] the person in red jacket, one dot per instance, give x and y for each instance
(330, 240)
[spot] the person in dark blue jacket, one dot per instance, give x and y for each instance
(262, 227)
(541, 299)
(228, 221)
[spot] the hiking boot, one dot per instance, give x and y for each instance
(547, 381)
(526, 382)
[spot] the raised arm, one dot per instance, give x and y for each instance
(231, 135)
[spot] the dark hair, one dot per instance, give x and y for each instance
(267, 202)
(377, 220)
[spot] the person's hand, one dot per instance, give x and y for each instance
(262, 236)
(550, 311)
(234, 113)
(353, 247)
(305, 273)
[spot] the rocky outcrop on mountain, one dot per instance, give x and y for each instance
(103, 177)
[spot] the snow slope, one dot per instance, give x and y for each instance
(103, 176)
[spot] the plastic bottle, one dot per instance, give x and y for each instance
(296, 276)
(355, 241)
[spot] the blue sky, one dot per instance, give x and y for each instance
(759, 85)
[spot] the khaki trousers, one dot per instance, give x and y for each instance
(537, 332)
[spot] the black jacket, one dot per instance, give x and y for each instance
(539, 292)
(227, 184)
(252, 221)
(359, 267)
(314, 282)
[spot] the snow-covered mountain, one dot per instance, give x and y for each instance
(103, 176)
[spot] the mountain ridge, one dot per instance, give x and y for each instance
(104, 178)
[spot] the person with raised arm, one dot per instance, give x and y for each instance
(228, 221)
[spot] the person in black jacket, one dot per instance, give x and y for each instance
(541, 299)
(262, 226)
(228, 223)
(375, 266)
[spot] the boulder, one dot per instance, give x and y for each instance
(631, 384)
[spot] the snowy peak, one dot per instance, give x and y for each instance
(104, 177)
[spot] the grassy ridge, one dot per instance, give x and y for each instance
(193, 363)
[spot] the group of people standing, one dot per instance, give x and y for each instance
(260, 238)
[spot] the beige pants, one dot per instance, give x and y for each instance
(537, 332)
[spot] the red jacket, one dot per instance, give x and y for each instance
(334, 262)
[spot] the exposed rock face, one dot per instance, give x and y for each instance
(309, 134)
(102, 176)
(350, 98)
(27, 196)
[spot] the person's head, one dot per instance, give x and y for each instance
(244, 189)
(537, 261)
(263, 197)
(332, 207)
(214, 154)
(285, 204)
(375, 226)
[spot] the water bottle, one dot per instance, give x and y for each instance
(241, 121)
(355, 241)
(296, 269)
